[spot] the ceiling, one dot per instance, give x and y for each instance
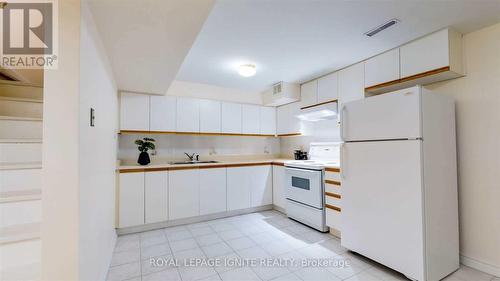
(297, 40)
(147, 41)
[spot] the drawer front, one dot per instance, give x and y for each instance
(333, 219)
(333, 188)
(332, 176)
(334, 201)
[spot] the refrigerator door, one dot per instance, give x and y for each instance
(394, 115)
(382, 203)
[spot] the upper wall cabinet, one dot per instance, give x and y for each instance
(309, 93)
(210, 116)
(351, 83)
(250, 115)
(267, 120)
(287, 122)
(163, 113)
(231, 118)
(188, 115)
(381, 69)
(134, 112)
(328, 88)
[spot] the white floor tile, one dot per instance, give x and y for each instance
(179, 235)
(182, 245)
(364, 276)
(241, 243)
(153, 240)
(151, 266)
(220, 227)
(316, 274)
(386, 274)
(155, 251)
(189, 254)
(173, 229)
(210, 239)
(196, 273)
(263, 238)
(212, 278)
(168, 274)
(287, 277)
(124, 272)
(466, 273)
(200, 231)
(216, 250)
(125, 257)
(254, 252)
(240, 274)
(127, 245)
(228, 262)
(277, 248)
(268, 273)
(230, 234)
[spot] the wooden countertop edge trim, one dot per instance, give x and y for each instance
(332, 182)
(290, 135)
(336, 170)
(335, 208)
(408, 78)
(214, 166)
(318, 104)
(335, 195)
(192, 133)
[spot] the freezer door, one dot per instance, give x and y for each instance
(382, 203)
(394, 115)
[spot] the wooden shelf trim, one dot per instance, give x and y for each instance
(409, 78)
(215, 165)
(335, 208)
(290, 135)
(335, 195)
(332, 182)
(191, 133)
(318, 104)
(335, 170)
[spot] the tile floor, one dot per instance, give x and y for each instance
(263, 236)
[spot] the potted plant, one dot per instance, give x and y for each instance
(144, 145)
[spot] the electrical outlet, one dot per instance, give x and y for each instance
(92, 117)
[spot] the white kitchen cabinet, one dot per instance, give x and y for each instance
(156, 196)
(432, 52)
(328, 87)
(267, 120)
(131, 199)
(286, 119)
(163, 113)
(238, 188)
(183, 194)
(382, 68)
(352, 83)
(212, 191)
(188, 115)
(134, 112)
(279, 198)
(250, 116)
(231, 118)
(309, 93)
(261, 185)
(210, 116)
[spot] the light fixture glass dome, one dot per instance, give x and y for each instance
(247, 70)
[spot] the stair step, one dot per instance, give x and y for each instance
(20, 166)
(19, 232)
(20, 152)
(20, 141)
(20, 179)
(23, 252)
(8, 98)
(20, 195)
(13, 127)
(23, 107)
(27, 272)
(20, 212)
(20, 90)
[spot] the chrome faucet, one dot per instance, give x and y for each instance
(191, 157)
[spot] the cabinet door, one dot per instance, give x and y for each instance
(212, 191)
(156, 196)
(250, 119)
(382, 68)
(188, 115)
(134, 112)
(309, 93)
(352, 83)
(428, 53)
(231, 118)
(163, 113)
(183, 194)
(261, 185)
(281, 120)
(131, 204)
(238, 188)
(279, 186)
(267, 120)
(328, 87)
(286, 118)
(210, 116)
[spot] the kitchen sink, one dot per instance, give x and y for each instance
(192, 162)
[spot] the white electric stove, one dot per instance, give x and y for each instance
(304, 184)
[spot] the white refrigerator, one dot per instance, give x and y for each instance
(399, 182)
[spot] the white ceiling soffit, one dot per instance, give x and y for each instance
(297, 40)
(147, 41)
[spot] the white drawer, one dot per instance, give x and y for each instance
(332, 176)
(333, 188)
(334, 201)
(333, 219)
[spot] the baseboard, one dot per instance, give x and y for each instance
(279, 209)
(481, 266)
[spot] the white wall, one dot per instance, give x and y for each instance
(174, 146)
(478, 138)
(205, 91)
(98, 146)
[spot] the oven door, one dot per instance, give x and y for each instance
(304, 186)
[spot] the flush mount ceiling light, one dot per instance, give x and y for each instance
(247, 70)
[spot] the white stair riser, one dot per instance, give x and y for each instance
(16, 129)
(11, 180)
(21, 108)
(20, 253)
(26, 92)
(22, 212)
(20, 152)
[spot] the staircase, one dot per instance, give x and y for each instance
(20, 180)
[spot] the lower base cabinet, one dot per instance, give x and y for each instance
(131, 204)
(279, 198)
(212, 191)
(183, 194)
(248, 187)
(156, 196)
(261, 185)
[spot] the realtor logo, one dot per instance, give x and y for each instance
(29, 34)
